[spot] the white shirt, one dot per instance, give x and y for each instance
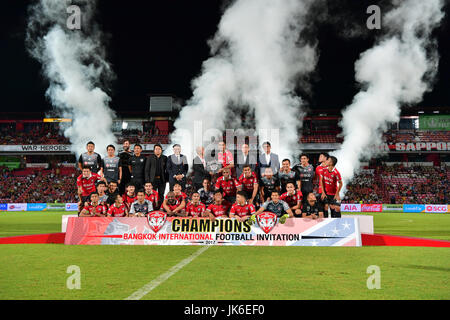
(267, 158)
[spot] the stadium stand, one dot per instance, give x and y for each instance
(38, 186)
(400, 184)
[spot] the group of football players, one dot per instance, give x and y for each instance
(287, 192)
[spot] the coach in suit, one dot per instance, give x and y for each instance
(244, 158)
(200, 170)
(155, 171)
(268, 159)
(177, 168)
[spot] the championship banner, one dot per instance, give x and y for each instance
(157, 229)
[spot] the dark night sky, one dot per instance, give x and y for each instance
(158, 47)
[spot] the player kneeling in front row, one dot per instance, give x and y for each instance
(118, 208)
(194, 207)
(241, 210)
(312, 208)
(219, 208)
(172, 205)
(277, 206)
(94, 208)
(141, 207)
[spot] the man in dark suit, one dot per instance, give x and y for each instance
(177, 168)
(246, 157)
(268, 159)
(155, 171)
(200, 169)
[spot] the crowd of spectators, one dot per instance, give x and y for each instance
(32, 134)
(49, 133)
(12, 187)
(51, 187)
(40, 186)
(400, 184)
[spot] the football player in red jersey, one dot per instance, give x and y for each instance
(118, 208)
(249, 184)
(86, 184)
(219, 208)
(130, 196)
(180, 196)
(194, 207)
(331, 183)
(94, 208)
(151, 195)
(323, 160)
(228, 185)
(172, 205)
(241, 210)
(293, 198)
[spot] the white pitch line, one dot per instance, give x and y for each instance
(156, 282)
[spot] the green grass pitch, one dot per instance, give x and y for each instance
(115, 272)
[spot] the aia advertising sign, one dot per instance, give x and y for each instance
(350, 207)
(436, 208)
(371, 207)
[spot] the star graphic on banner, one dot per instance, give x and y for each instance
(346, 225)
(314, 243)
(335, 231)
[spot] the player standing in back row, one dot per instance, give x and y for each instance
(306, 175)
(91, 159)
(331, 185)
(112, 165)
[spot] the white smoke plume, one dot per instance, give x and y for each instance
(74, 63)
(258, 58)
(396, 72)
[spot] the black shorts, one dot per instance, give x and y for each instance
(329, 199)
